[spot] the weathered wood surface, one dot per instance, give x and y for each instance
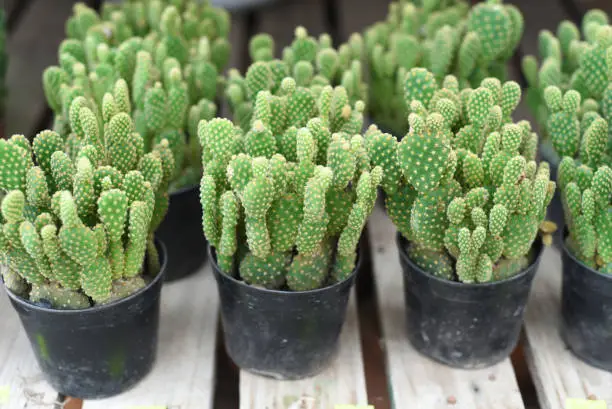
(32, 47)
(342, 383)
(183, 376)
(21, 382)
(417, 382)
(556, 372)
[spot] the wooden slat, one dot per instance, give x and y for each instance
(342, 383)
(417, 382)
(19, 371)
(32, 47)
(556, 372)
(357, 15)
(183, 376)
(281, 20)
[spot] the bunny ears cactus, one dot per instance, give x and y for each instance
(313, 64)
(77, 220)
(463, 185)
(169, 55)
(446, 37)
(572, 59)
(284, 205)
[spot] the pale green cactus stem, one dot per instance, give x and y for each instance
(445, 38)
(463, 186)
(284, 203)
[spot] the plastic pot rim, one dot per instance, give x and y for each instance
(99, 308)
(537, 243)
(575, 260)
(212, 253)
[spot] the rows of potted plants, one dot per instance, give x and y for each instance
(286, 186)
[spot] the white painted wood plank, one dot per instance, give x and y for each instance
(183, 376)
(556, 372)
(342, 383)
(417, 382)
(19, 371)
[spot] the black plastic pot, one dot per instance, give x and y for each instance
(586, 310)
(97, 352)
(281, 334)
(181, 232)
(461, 325)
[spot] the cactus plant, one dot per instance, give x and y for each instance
(3, 63)
(571, 58)
(463, 186)
(284, 204)
(170, 55)
(580, 133)
(444, 36)
(313, 63)
(76, 224)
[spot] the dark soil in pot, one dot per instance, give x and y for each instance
(181, 232)
(281, 334)
(462, 325)
(98, 352)
(586, 310)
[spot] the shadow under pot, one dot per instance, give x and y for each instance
(586, 310)
(284, 335)
(97, 352)
(467, 326)
(181, 232)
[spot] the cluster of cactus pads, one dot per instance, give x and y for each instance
(463, 186)
(3, 62)
(171, 55)
(580, 133)
(285, 203)
(313, 63)
(572, 59)
(80, 215)
(444, 36)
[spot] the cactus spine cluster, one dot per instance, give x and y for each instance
(80, 215)
(444, 36)
(3, 63)
(313, 63)
(463, 186)
(170, 55)
(285, 203)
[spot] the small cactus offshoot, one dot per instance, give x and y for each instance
(285, 203)
(312, 63)
(169, 54)
(80, 210)
(463, 186)
(444, 36)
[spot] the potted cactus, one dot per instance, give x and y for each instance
(585, 181)
(76, 225)
(3, 67)
(284, 208)
(467, 198)
(567, 61)
(313, 63)
(446, 37)
(171, 55)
